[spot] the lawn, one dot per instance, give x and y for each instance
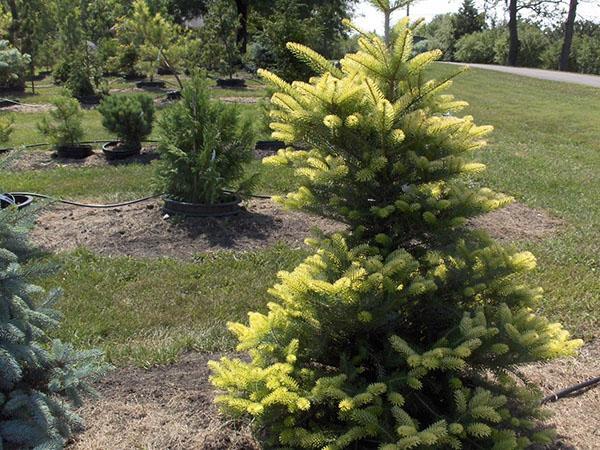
(545, 152)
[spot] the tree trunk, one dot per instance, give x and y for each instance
(514, 44)
(243, 7)
(386, 29)
(32, 72)
(563, 63)
(13, 30)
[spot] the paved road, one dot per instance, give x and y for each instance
(553, 75)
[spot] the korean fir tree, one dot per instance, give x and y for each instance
(41, 380)
(403, 332)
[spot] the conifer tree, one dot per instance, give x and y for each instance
(403, 332)
(41, 380)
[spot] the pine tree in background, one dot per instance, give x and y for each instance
(403, 332)
(40, 380)
(468, 20)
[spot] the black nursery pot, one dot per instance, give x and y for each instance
(269, 146)
(133, 77)
(230, 207)
(89, 99)
(20, 201)
(147, 84)
(166, 71)
(173, 95)
(115, 150)
(235, 83)
(74, 151)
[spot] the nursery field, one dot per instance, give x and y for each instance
(150, 290)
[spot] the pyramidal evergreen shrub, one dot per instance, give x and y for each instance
(403, 332)
(41, 380)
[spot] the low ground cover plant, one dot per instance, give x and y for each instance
(130, 117)
(404, 331)
(63, 125)
(204, 147)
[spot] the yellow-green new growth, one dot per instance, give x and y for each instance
(402, 332)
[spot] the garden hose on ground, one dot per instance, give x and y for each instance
(47, 144)
(576, 389)
(87, 205)
(112, 205)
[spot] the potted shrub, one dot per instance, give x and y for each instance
(63, 127)
(204, 146)
(156, 41)
(221, 51)
(130, 117)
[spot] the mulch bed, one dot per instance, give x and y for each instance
(518, 222)
(577, 419)
(171, 407)
(142, 230)
(47, 159)
(168, 407)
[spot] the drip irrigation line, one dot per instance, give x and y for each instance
(88, 205)
(575, 389)
(16, 102)
(113, 205)
(47, 144)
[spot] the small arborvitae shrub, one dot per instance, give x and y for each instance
(403, 332)
(63, 124)
(204, 146)
(41, 381)
(130, 117)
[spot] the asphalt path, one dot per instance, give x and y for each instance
(553, 75)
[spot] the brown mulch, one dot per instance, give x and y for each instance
(577, 419)
(142, 230)
(168, 407)
(171, 407)
(247, 100)
(518, 222)
(47, 159)
(27, 108)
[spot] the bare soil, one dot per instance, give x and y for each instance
(47, 159)
(518, 222)
(164, 408)
(171, 407)
(143, 230)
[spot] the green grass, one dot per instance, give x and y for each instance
(545, 152)
(147, 312)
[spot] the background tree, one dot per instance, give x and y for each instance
(569, 27)
(468, 20)
(541, 8)
(290, 21)
(153, 37)
(219, 34)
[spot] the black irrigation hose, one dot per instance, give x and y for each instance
(87, 205)
(47, 144)
(113, 205)
(575, 389)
